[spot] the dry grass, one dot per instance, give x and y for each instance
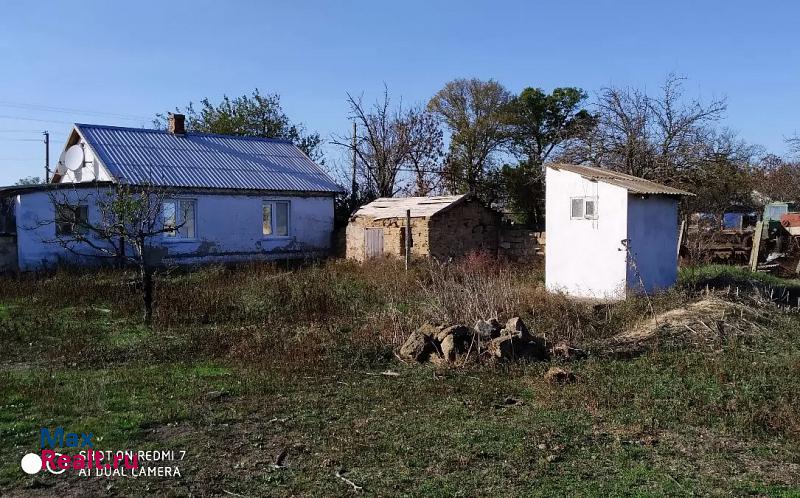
(296, 317)
(303, 317)
(298, 350)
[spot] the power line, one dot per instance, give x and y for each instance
(4, 116)
(20, 139)
(67, 110)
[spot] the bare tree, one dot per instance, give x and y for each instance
(127, 216)
(659, 137)
(425, 150)
(381, 145)
(474, 112)
(794, 144)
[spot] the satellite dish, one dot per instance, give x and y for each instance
(60, 168)
(74, 158)
(86, 174)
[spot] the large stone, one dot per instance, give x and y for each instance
(456, 344)
(511, 346)
(517, 327)
(536, 349)
(567, 351)
(449, 350)
(418, 347)
(559, 376)
(429, 330)
(487, 329)
(459, 331)
(502, 347)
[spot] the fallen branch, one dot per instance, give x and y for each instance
(356, 488)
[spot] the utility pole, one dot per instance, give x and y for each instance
(355, 185)
(408, 238)
(46, 156)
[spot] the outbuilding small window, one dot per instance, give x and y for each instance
(179, 218)
(590, 208)
(576, 212)
(275, 218)
(71, 220)
(583, 208)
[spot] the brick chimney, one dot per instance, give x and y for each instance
(176, 124)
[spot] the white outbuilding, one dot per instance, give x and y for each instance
(609, 234)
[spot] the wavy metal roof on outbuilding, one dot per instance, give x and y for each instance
(420, 207)
(203, 160)
(633, 184)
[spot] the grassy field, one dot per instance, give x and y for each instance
(245, 364)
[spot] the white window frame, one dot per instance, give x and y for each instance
(583, 208)
(593, 200)
(584, 200)
(175, 235)
(273, 211)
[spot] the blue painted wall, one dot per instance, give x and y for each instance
(653, 235)
(228, 228)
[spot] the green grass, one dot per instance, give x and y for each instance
(709, 418)
(725, 275)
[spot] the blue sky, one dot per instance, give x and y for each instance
(133, 59)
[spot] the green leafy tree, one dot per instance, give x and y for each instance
(474, 111)
(539, 125)
(29, 180)
(254, 115)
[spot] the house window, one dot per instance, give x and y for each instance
(179, 218)
(590, 208)
(275, 218)
(583, 208)
(576, 213)
(71, 219)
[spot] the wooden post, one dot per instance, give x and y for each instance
(756, 246)
(680, 237)
(408, 238)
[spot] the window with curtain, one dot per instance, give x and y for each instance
(275, 218)
(179, 216)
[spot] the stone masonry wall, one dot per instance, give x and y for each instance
(393, 236)
(521, 244)
(464, 228)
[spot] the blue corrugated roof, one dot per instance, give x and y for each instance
(137, 155)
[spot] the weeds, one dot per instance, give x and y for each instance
(289, 347)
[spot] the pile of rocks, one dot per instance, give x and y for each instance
(487, 339)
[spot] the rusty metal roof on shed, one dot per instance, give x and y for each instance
(420, 207)
(632, 184)
(204, 160)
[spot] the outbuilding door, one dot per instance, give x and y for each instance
(373, 242)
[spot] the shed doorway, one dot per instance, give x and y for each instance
(373, 242)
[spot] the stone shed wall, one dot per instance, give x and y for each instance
(464, 228)
(521, 244)
(394, 236)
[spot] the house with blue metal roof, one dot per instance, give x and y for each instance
(231, 198)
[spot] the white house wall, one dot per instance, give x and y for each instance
(653, 235)
(228, 228)
(585, 258)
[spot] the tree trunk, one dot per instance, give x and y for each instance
(147, 293)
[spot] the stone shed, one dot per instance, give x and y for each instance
(442, 227)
